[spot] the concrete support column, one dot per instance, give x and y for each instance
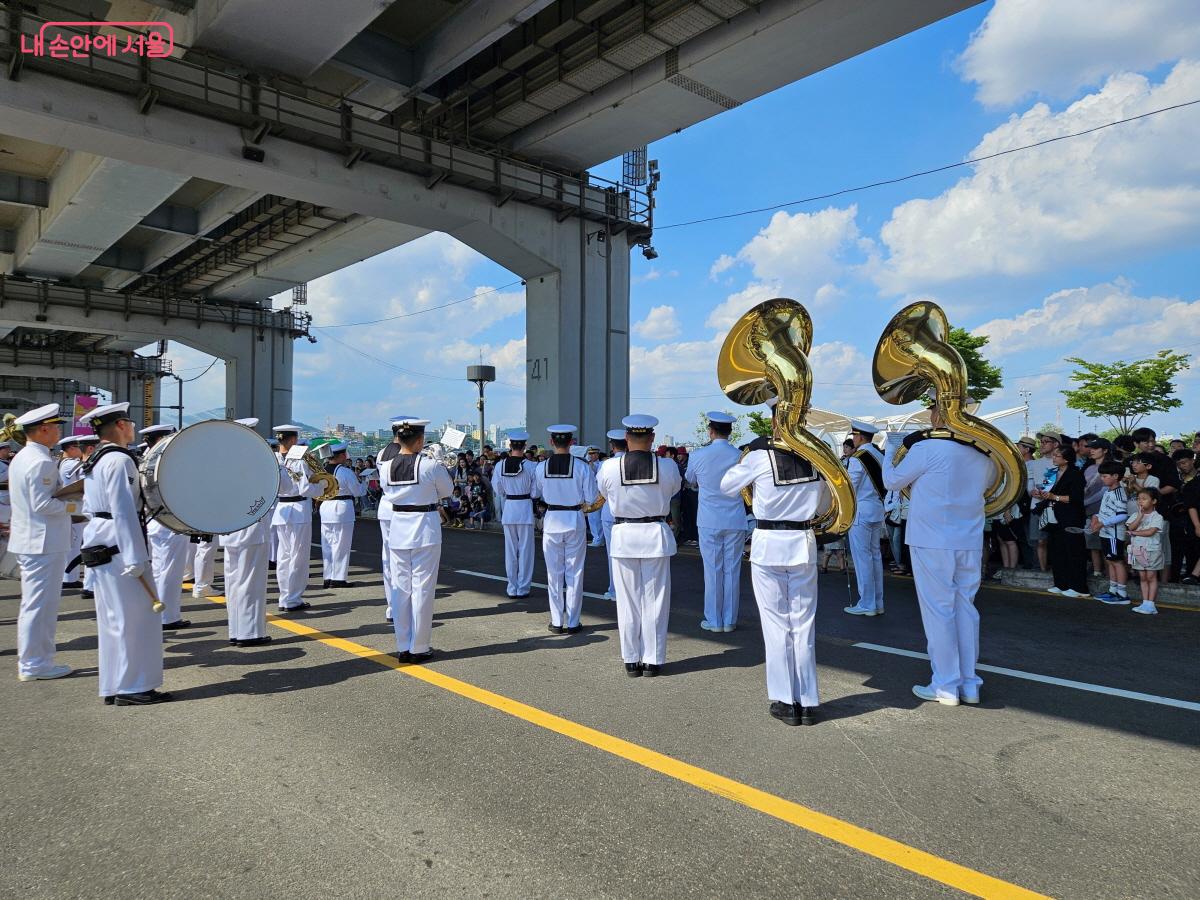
(142, 392)
(577, 334)
(258, 377)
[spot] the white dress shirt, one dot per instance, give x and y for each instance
(518, 512)
(640, 540)
(946, 482)
(40, 522)
(706, 467)
(334, 512)
(793, 502)
(577, 488)
(869, 507)
(429, 484)
(113, 486)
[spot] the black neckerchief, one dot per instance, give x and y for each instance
(789, 468)
(406, 469)
(390, 452)
(639, 467)
(560, 465)
(513, 465)
(873, 469)
(104, 450)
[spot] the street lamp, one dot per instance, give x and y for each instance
(481, 375)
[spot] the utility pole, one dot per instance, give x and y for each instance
(481, 375)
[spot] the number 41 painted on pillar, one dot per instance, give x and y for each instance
(539, 367)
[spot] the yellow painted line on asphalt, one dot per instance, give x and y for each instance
(910, 858)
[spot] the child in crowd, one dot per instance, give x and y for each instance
(1109, 523)
(477, 514)
(1145, 547)
(456, 509)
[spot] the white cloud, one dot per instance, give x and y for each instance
(1055, 48)
(723, 263)
(801, 252)
(660, 324)
(1111, 193)
(728, 312)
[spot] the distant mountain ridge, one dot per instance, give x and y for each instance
(219, 413)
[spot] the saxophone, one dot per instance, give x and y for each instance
(912, 357)
(765, 355)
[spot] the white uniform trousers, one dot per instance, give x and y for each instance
(72, 574)
(291, 566)
(643, 607)
(414, 574)
(389, 584)
(595, 522)
(128, 633)
(89, 579)
(947, 581)
(168, 554)
(607, 527)
(722, 554)
(246, 590)
(518, 558)
(868, 563)
(565, 553)
(274, 543)
(336, 538)
(41, 591)
(787, 608)
(202, 564)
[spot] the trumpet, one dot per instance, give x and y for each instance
(766, 355)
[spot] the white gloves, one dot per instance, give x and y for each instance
(133, 571)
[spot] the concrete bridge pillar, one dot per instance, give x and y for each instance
(258, 375)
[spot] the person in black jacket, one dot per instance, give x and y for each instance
(1066, 548)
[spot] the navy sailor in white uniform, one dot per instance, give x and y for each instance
(866, 477)
(169, 550)
(638, 490)
(292, 521)
(616, 448)
(337, 519)
(947, 481)
(720, 523)
(384, 513)
(565, 483)
(40, 538)
(788, 495)
(512, 481)
(69, 473)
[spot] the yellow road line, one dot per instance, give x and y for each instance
(868, 842)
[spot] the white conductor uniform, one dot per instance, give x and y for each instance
(292, 520)
(247, 553)
(783, 566)
(565, 483)
(384, 514)
(638, 488)
(68, 473)
(867, 529)
(414, 485)
(721, 528)
(129, 632)
(513, 481)
(946, 482)
(337, 523)
(40, 538)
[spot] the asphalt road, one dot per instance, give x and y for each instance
(311, 768)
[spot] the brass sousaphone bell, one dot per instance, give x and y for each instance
(765, 355)
(913, 358)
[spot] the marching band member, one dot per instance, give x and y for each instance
(720, 523)
(274, 444)
(169, 550)
(87, 446)
(947, 481)
(414, 484)
(293, 521)
(129, 632)
(337, 520)
(203, 565)
(384, 513)
(565, 483)
(595, 519)
(246, 554)
(788, 494)
(639, 492)
(866, 476)
(40, 537)
(513, 482)
(616, 449)
(6, 454)
(68, 473)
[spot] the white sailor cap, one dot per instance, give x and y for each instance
(406, 426)
(87, 440)
(520, 435)
(721, 418)
(562, 429)
(863, 427)
(43, 415)
(580, 451)
(286, 429)
(249, 423)
(337, 447)
(157, 429)
(69, 440)
(615, 434)
(639, 423)
(104, 415)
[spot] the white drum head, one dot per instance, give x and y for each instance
(217, 477)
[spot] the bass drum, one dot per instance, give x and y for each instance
(214, 477)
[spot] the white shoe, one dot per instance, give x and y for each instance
(708, 626)
(1075, 595)
(858, 611)
(728, 628)
(202, 592)
(927, 693)
(1053, 590)
(972, 699)
(47, 675)
(1146, 609)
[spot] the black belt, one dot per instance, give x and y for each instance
(343, 497)
(518, 497)
(784, 525)
(101, 515)
(415, 507)
(622, 520)
(290, 499)
(556, 508)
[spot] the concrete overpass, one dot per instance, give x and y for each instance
(280, 142)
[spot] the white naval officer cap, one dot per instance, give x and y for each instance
(157, 429)
(87, 439)
(286, 429)
(615, 434)
(104, 415)
(68, 441)
(337, 447)
(863, 427)
(249, 423)
(43, 415)
(561, 429)
(519, 436)
(639, 423)
(721, 418)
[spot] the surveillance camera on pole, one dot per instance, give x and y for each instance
(481, 375)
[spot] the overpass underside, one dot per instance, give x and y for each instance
(267, 150)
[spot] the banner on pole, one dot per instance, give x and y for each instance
(84, 403)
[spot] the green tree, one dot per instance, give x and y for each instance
(1125, 393)
(982, 377)
(701, 431)
(759, 424)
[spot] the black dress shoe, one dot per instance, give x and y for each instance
(254, 642)
(573, 629)
(143, 698)
(182, 623)
(519, 596)
(404, 656)
(234, 642)
(650, 670)
(633, 670)
(326, 583)
(421, 657)
(108, 701)
(785, 713)
(72, 585)
(344, 584)
(88, 595)
(290, 609)
(806, 714)
(554, 629)
(271, 566)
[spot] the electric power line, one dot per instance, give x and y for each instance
(421, 312)
(401, 369)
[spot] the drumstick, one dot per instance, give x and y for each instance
(155, 603)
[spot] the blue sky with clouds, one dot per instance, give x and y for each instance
(1083, 247)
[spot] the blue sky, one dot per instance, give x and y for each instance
(1085, 247)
